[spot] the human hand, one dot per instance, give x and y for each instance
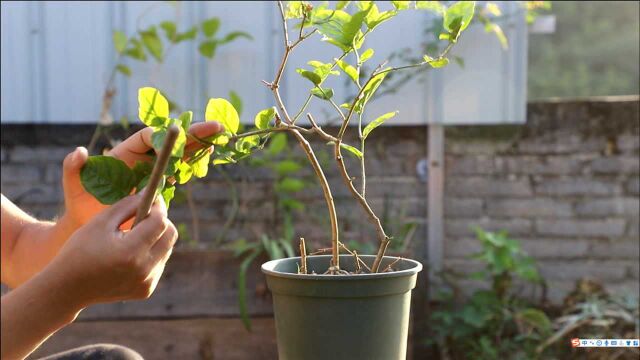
(100, 263)
(80, 205)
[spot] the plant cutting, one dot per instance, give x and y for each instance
(335, 306)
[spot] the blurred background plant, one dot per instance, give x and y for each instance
(287, 167)
(505, 321)
(564, 63)
(155, 42)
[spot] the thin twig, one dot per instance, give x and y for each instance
(362, 164)
(390, 266)
(155, 178)
(357, 261)
(304, 106)
(303, 256)
(320, 251)
(344, 247)
(373, 218)
(318, 130)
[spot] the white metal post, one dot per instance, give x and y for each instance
(435, 200)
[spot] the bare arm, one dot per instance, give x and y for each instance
(98, 263)
(28, 245)
(33, 312)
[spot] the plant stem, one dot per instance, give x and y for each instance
(303, 256)
(305, 144)
(362, 167)
(335, 251)
(373, 218)
(304, 106)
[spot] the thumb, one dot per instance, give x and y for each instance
(71, 167)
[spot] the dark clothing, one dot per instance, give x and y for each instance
(96, 352)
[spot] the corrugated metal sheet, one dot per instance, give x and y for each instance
(57, 56)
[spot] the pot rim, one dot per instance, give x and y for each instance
(268, 269)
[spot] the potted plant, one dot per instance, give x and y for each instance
(334, 306)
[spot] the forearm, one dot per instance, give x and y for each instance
(37, 244)
(35, 311)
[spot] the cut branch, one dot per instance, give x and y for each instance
(327, 196)
(303, 256)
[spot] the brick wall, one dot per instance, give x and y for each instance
(566, 184)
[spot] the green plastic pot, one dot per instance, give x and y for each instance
(334, 317)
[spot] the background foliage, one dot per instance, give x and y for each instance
(594, 51)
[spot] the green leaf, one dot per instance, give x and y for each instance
(312, 76)
(184, 172)
(288, 249)
(349, 148)
(158, 138)
(151, 104)
(351, 71)
(375, 17)
(222, 111)
(352, 150)
(277, 144)
(108, 179)
(234, 35)
(322, 93)
(339, 28)
(342, 4)
(264, 117)
(323, 70)
(377, 122)
(434, 6)
(141, 169)
(497, 30)
(290, 185)
(236, 101)
(172, 166)
(436, 63)
(292, 204)
(119, 41)
(200, 167)
(445, 36)
(210, 26)
(135, 50)
(535, 318)
(187, 35)
(247, 143)
(167, 194)
(123, 69)
(242, 287)
(272, 248)
(368, 91)
(208, 48)
(170, 30)
(295, 9)
(286, 167)
(152, 42)
(363, 5)
(366, 55)
(185, 120)
(458, 17)
(401, 5)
